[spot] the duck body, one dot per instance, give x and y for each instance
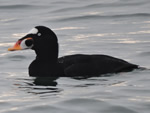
(80, 65)
(44, 42)
(94, 65)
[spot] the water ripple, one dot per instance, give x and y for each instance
(115, 4)
(16, 6)
(99, 5)
(89, 17)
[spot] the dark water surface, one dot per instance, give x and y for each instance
(119, 28)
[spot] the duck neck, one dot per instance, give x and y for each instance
(47, 55)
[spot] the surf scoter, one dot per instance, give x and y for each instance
(44, 42)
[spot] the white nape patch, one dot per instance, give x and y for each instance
(33, 31)
(39, 34)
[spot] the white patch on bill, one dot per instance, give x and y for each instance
(24, 46)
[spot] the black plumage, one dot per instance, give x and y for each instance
(47, 64)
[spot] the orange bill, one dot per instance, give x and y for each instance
(16, 46)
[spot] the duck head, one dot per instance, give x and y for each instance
(41, 39)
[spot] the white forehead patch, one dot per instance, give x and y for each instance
(33, 31)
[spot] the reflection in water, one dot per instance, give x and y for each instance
(45, 81)
(45, 87)
(39, 86)
(38, 81)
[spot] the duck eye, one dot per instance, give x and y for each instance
(29, 43)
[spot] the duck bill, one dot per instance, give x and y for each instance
(16, 46)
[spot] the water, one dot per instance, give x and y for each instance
(119, 28)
